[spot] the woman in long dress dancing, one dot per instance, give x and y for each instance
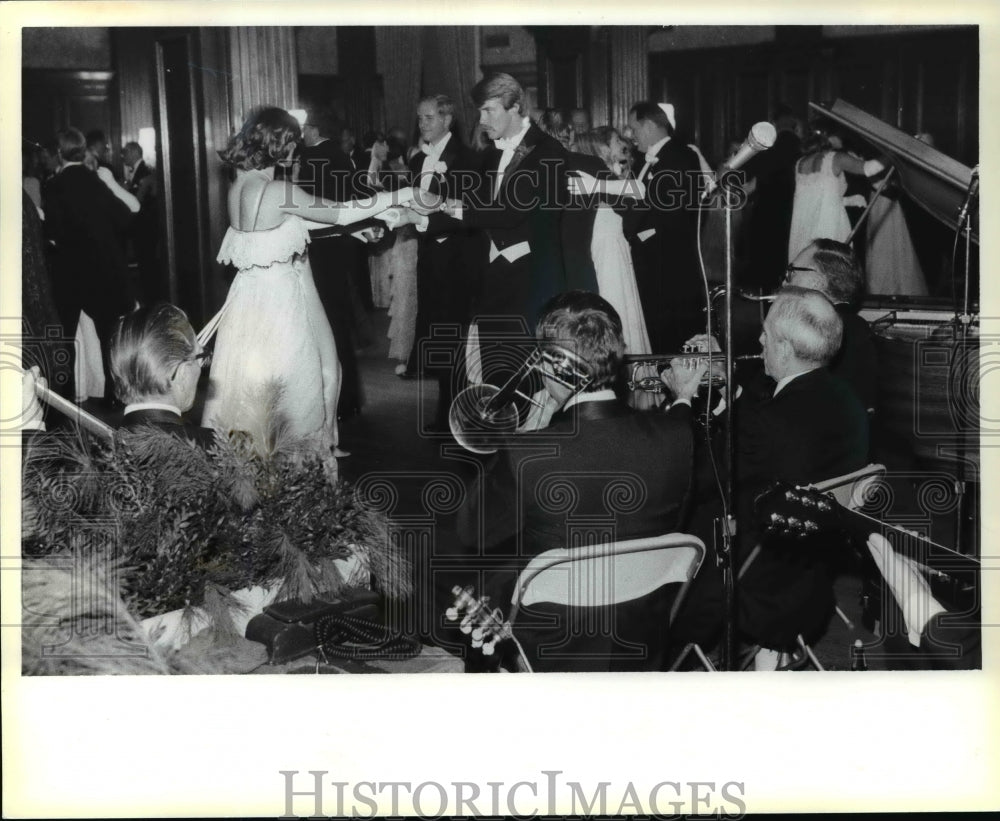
(818, 210)
(275, 361)
(608, 247)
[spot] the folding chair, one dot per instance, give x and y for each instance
(607, 574)
(850, 491)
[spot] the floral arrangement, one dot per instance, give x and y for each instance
(162, 524)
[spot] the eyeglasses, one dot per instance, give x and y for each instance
(204, 358)
(791, 269)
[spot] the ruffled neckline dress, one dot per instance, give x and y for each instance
(275, 371)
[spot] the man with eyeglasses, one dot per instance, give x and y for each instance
(831, 268)
(156, 362)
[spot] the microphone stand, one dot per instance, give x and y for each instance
(725, 530)
(727, 524)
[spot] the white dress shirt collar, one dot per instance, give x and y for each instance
(142, 406)
(436, 149)
(602, 395)
(510, 143)
(786, 379)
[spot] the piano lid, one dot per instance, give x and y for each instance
(933, 180)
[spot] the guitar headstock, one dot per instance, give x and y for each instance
(795, 512)
(486, 626)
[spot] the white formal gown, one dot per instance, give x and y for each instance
(818, 210)
(274, 332)
(616, 277)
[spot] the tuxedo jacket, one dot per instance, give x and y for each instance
(770, 219)
(169, 422)
(325, 170)
(142, 183)
(599, 472)
(578, 227)
(450, 253)
(814, 429)
(594, 447)
(527, 208)
(86, 222)
(857, 360)
(666, 260)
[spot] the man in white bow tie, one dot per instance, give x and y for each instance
(447, 256)
(517, 209)
(662, 227)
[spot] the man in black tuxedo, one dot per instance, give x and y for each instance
(141, 181)
(770, 219)
(448, 259)
(831, 268)
(355, 153)
(83, 221)
(156, 363)
(517, 208)
(812, 428)
(626, 473)
(327, 172)
(661, 229)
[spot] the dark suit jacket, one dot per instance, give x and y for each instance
(527, 208)
(578, 227)
(85, 221)
(857, 360)
(170, 422)
(770, 219)
(814, 429)
(450, 254)
(666, 263)
(601, 471)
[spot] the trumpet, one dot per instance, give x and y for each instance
(644, 372)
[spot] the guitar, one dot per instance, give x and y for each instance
(487, 627)
(786, 510)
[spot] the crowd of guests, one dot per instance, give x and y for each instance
(91, 250)
(557, 231)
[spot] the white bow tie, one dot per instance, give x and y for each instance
(651, 157)
(504, 143)
(430, 150)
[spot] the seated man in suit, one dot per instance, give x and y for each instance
(156, 362)
(831, 268)
(600, 472)
(812, 428)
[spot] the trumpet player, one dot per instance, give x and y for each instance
(813, 427)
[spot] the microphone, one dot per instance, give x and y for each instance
(970, 195)
(760, 138)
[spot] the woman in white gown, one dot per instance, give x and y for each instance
(608, 247)
(275, 355)
(818, 210)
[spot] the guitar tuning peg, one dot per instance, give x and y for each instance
(451, 614)
(488, 647)
(477, 643)
(477, 634)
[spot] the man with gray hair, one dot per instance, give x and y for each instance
(812, 428)
(831, 268)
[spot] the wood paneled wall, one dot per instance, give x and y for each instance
(928, 81)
